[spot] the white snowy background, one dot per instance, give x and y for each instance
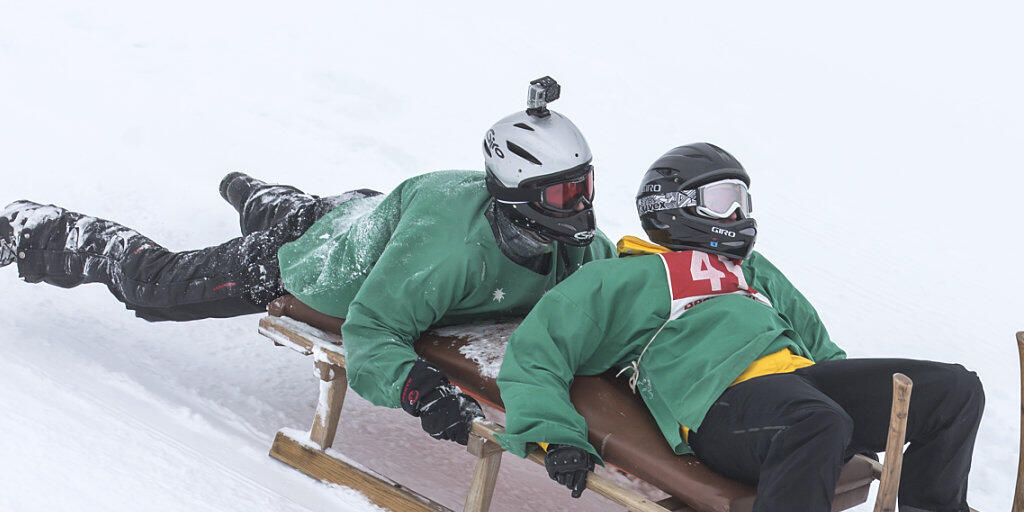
(883, 140)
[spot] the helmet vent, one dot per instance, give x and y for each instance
(513, 147)
(523, 126)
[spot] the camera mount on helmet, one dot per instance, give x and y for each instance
(542, 91)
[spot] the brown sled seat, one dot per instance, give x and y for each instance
(619, 424)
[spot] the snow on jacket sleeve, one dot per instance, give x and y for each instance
(408, 290)
(325, 267)
(543, 355)
(795, 308)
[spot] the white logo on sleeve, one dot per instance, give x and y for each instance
(498, 295)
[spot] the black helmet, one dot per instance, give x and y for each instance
(682, 179)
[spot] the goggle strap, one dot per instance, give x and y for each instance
(512, 195)
(667, 201)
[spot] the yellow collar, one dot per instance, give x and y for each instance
(633, 246)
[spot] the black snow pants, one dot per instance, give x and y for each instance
(790, 434)
(238, 277)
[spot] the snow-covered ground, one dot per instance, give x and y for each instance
(882, 139)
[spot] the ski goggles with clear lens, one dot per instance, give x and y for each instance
(721, 198)
(717, 200)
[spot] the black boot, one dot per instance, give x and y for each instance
(262, 205)
(8, 245)
(236, 188)
(16, 222)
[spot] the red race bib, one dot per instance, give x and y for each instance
(695, 276)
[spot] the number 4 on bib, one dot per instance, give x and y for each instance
(696, 276)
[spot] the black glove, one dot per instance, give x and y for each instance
(444, 411)
(569, 465)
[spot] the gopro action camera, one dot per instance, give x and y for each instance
(542, 91)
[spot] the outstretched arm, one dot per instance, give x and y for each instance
(402, 297)
(554, 340)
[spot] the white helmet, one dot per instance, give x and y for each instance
(538, 169)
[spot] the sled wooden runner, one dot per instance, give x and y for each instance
(693, 487)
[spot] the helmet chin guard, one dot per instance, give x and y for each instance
(680, 230)
(577, 229)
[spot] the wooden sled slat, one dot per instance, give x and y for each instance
(1018, 494)
(302, 338)
(323, 466)
(333, 386)
(889, 482)
(485, 473)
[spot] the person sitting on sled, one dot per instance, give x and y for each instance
(731, 360)
(441, 248)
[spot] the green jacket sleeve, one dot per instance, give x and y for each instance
(796, 309)
(402, 297)
(541, 359)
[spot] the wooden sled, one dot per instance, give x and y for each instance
(619, 426)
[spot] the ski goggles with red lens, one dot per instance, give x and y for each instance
(717, 200)
(561, 192)
(564, 196)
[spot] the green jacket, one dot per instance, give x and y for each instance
(423, 255)
(604, 316)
